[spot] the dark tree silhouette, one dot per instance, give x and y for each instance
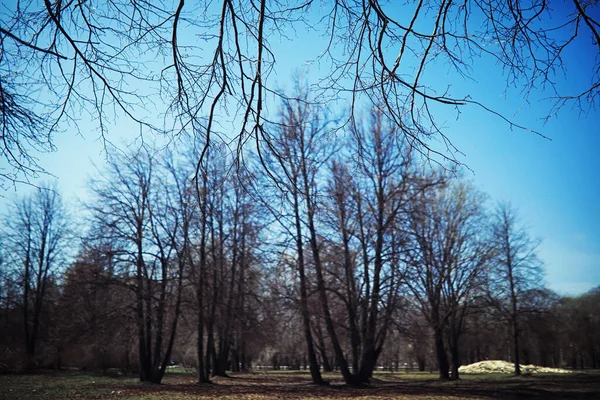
(36, 233)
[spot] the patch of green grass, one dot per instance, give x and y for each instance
(179, 370)
(50, 387)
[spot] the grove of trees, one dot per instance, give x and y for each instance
(349, 255)
(275, 228)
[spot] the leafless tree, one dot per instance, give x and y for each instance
(35, 232)
(295, 141)
(368, 196)
(367, 293)
(64, 60)
(224, 262)
(133, 207)
(517, 271)
(448, 255)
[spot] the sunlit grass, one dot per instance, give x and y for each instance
(179, 370)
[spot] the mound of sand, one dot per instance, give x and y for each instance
(504, 367)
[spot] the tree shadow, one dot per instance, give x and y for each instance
(298, 386)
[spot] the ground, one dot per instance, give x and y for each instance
(63, 385)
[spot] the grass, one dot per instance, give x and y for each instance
(55, 386)
(261, 385)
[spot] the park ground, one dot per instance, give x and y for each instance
(180, 385)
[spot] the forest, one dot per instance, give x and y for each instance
(332, 251)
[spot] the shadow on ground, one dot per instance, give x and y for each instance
(297, 386)
(53, 385)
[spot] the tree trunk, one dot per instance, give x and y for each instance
(515, 334)
(455, 359)
(315, 372)
(440, 351)
(202, 374)
(222, 358)
(210, 352)
(327, 367)
(349, 378)
(142, 355)
(421, 363)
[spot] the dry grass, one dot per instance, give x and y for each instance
(295, 385)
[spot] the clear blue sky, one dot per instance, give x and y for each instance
(554, 184)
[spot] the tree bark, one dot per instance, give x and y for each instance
(315, 372)
(440, 351)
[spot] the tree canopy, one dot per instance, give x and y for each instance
(206, 68)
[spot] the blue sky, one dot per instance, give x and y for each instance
(555, 185)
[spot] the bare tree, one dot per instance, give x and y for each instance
(369, 298)
(200, 276)
(517, 270)
(35, 233)
(448, 255)
(297, 139)
(133, 207)
(365, 208)
(223, 239)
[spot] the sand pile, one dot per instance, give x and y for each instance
(504, 367)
